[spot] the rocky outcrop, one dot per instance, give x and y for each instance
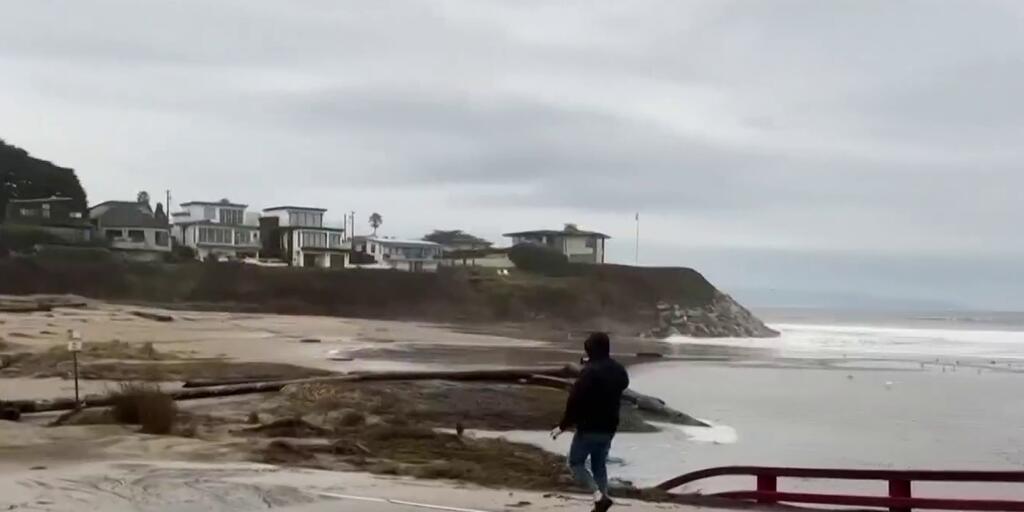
(723, 317)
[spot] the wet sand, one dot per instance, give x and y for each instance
(141, 485)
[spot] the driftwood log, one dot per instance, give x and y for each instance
(24, 307)
(497, 375)
(551, 376)
(645, 403)
(156, 317)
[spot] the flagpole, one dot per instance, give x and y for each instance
(637, 253)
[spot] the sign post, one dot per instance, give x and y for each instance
(75, 346)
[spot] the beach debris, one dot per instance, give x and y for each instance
(888, 384)
(459, 428)
(849, 377)
(283, 452)
(288, 427)
(309, 340)
(156, 317)
(253, 418)
(653, 355)
(338, 355)
(346, 447)
(9, 413)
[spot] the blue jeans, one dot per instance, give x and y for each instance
(595, 446)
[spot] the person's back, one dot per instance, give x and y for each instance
(593, 408)
(594, 403)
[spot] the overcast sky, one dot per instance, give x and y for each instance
(857, 147)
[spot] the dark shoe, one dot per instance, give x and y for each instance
(603, 504)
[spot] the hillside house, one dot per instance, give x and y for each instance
(297, 235)
(221, 229)
(576, 244)
(133, 229)
(59, 216)
(406, 255)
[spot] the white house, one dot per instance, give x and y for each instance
(407, 255)
(133, 229)
(219, 229)
(297, 235)
(576, 244)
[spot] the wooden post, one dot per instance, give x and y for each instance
(899, 489)
(75, 346)
(766, 483)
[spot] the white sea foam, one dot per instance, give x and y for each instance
(809, 340)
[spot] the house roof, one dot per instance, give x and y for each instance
(127, 214)
(312, 228)
(399, 242)
(558, 232)
(125, 203)
(39, 200)
(208, 222)
(456, 237)
(222, 202)
(303, 208)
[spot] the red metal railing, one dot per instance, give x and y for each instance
(900, 498)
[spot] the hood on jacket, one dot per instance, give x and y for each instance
(598, 346)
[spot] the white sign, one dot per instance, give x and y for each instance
(74, 346)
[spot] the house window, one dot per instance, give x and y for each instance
(137, 235)
(75, 215)
(163, 239)
(591, 243)
(230, 216)
(46, 211)
(215, 236)
(335, 240)
(27, 212)
(313, 239)
(209, 212)
(113, 234)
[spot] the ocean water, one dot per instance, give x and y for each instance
(816, 339)
(830, 392)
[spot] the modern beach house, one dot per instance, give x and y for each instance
(406, 255)
(578, 245)
(297, 235)
(219, 229)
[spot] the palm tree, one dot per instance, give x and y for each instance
(375, 221)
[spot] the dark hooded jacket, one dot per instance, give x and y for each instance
(593, 404)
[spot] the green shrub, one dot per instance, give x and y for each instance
(539, 260)
(25, 238)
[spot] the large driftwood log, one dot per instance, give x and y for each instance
(646, 403)
(498, 375)
(552, 376)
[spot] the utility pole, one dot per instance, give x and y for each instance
(637, 249)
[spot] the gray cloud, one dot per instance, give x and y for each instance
(802, 132)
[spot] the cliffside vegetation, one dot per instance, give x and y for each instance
(25, 177)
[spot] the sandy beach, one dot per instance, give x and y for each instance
(213, 463)
(818, 396)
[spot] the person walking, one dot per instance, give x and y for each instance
(593, 409)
